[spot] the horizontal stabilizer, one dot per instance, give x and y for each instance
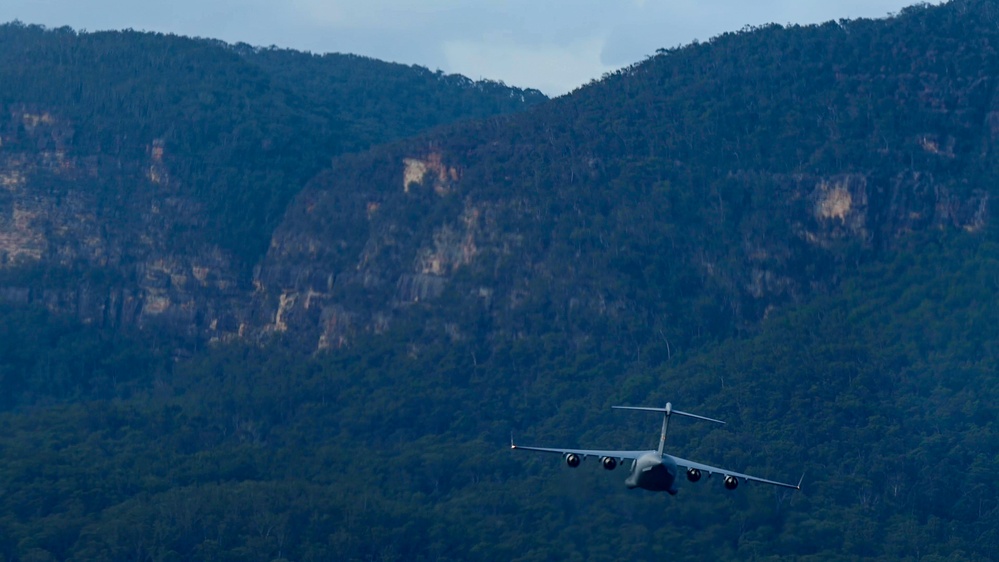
(668, 410)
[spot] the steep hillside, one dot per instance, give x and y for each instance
(688, 195)
(164, 162)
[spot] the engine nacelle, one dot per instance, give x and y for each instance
(693, 474)
(731, 482)
(572, 459)
(609, 463)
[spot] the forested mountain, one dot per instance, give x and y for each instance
(168, 161)
(683, 197)
(789, 228)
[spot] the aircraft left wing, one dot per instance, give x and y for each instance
(684, 463)
(619, 455)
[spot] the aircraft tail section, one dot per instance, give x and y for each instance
(667, 412)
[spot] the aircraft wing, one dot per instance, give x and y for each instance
(619, 455)
(684, 463)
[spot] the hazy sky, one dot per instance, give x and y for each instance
(552, 45)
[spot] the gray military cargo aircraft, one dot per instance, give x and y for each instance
(655, 470)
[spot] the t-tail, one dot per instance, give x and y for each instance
(667, 412)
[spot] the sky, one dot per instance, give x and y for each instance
(552, 45)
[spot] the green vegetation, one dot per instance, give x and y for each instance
(882, 394)
(243, 129)
(683, 198)
(656, 236)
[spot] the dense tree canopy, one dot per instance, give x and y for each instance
(242, 128)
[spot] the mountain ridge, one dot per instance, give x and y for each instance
(697, 172)
(187, 143)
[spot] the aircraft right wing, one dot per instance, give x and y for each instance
(684, 463)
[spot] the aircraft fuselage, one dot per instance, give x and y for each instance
(653, 472)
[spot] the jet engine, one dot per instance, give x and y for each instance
(610, 463)
(731, 482)
(572, 459)
(693, 474)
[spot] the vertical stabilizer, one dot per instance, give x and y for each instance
(662, 437)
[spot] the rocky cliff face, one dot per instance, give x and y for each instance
(104, 238)
(352, 256)
(329, 276)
